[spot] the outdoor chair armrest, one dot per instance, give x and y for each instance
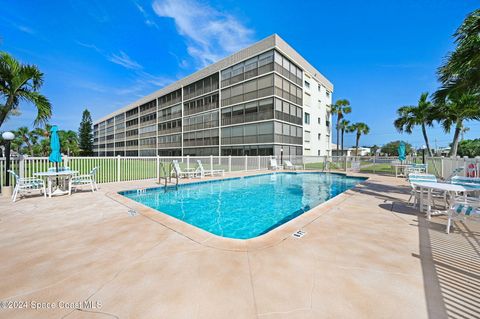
(85, 176)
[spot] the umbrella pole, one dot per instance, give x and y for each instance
(56, 169)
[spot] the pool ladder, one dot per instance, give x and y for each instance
(167, 170)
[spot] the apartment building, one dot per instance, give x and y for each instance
(263, 100)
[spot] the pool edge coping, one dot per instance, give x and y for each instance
(205, 238)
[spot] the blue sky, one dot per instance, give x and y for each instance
(105, 54)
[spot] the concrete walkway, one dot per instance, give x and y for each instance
(370, 256)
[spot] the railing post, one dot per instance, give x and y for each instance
(188, 162)
(118, 168)
(211, 163)
(246, 163)
(374, 161)
(229, 163)
(158, 168)
(21, 166)
(346, 161)
(259, 163)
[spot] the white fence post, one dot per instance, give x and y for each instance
(118, 168)
(229, 163)
(158, 168)
(259, 163)
(211, 163)
(21, 166)
(188, 162)
(246, 163)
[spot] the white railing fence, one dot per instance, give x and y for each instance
(124, 168)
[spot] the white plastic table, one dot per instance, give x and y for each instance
(445, 187)
(50, 176)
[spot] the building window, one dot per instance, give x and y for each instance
(307, 84)
(319, 120)
(319, 88)
(307, 118)
(327, 93)
(319, 136)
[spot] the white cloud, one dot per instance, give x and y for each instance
(210, 34)
(124, 60)
(148, 20)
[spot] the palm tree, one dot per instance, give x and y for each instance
(27, 137)
(343, 125)
(69, 142)
(461, 70)
(457, 109)
(21, 82)
(359, 129)
(422, 115)
(340, 108)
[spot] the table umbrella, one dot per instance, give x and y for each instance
(55, 155)
(402, 152)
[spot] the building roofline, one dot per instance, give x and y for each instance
(270, 42)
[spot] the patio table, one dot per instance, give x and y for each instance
(451, 189)
(50, 176)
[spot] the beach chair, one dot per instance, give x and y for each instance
(463, 210)
(82, 180)
(179, 173)
(273, 164)
(290, 166)
(27, 185)
(203, 172)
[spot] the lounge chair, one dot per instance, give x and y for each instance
(415, 192)
(81, 180)
(463, 210)
(289, 165)
(179, 173)
(27, 185)
(273, 164)
(203, 172)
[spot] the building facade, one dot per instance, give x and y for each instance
(263, 100)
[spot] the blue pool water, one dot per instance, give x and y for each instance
(245, 207)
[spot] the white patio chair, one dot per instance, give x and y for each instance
(202, 172)
(273, 164)
(177, 170)
(82, 180)
(27, 185)
(290, 166)
(463, 210)
(415, 192)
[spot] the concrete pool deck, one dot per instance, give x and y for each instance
(367, 256)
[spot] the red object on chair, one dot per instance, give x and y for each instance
(472, 170)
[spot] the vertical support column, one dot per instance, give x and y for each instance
(188, 162)
(374, 161)
(229, 163)
(118, 168)
(246, 163)
(345, 163)
(259, 162)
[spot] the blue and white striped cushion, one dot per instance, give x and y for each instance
(466, 181)
(412, 178)
(466, 210)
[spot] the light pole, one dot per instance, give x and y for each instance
(8, 137)
(281, 156)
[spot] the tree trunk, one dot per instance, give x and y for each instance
(4, 110)
(341, 143)
(356, 144)
(456, 135)
(425, 137)
(338, 137)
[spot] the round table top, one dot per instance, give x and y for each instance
(445, 186)
(60, 173)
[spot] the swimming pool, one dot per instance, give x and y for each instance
(245, 207)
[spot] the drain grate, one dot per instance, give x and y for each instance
(132, 213)
(299, 234)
